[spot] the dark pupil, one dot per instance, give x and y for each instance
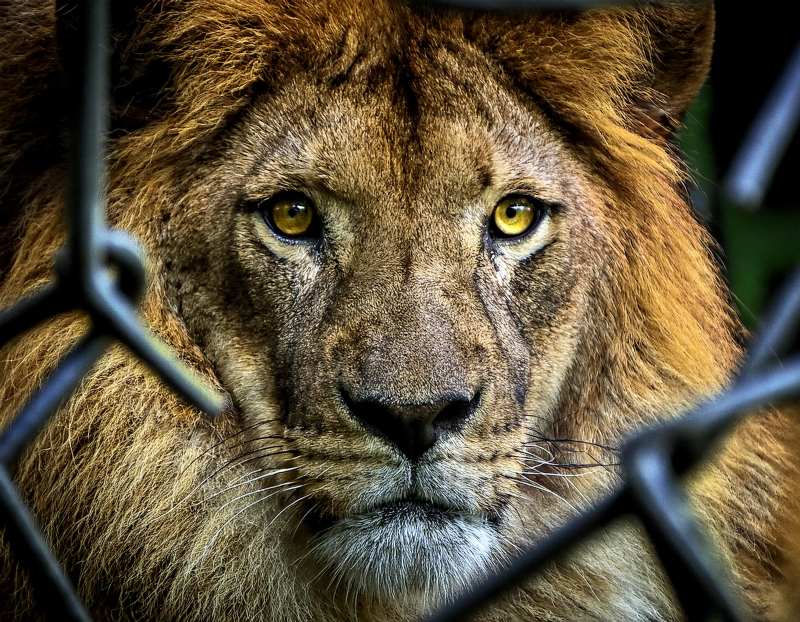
(511, 212)
(294, 210)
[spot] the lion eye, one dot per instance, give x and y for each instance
(516, 215)
(290, 215)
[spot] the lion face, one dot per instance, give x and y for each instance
(388, 264)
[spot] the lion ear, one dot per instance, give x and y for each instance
(644, 63)
(678, 42)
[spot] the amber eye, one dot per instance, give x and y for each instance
(291, 215)
(516, 215)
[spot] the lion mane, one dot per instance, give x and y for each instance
(106, 478)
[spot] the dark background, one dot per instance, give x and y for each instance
(760, 246)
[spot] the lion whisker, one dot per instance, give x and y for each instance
(237, 461)
(293, 503)
(255, 492)
(559, 441)
(584, 465)
(219, 531)
(176, 505)
(317, 545)
(248, 481)
(578, 491)
(541, 487)
(545, 474)
(296, 501)
(559, 444)
(224, 440)
(266, 437)
(303, 517)
(530, 454)
(260, 469)
(527, 462)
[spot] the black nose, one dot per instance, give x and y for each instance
(412, 428)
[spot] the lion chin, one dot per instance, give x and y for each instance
(407, 540)
(408, 553)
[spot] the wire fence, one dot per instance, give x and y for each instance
(653, 462)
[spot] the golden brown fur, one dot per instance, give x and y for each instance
(397, 119)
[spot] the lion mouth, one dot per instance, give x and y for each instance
(415, 509)
(404, 511)
(406, 546)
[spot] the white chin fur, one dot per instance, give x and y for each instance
(406, 556)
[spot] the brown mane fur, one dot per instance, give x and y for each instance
(124, 449)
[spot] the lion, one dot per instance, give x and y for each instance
(439, 262)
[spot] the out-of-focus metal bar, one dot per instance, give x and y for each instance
(753, 168)
(123, 323)
(85, 41)
(691, 438)
(55, 595)
(698, 434)
(701, 586)
(650, 483)
(31, 311)
(652, 459)
(52, 588)
(87, 69)
(83, 282)
(779, 327)
(656, 458)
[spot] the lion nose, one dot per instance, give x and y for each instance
(412, 428)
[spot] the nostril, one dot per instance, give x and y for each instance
(455, 414)
(375, 417)
(413, 428)
(402, 427)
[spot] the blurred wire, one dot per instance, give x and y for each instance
(84, 282)
(767, 141)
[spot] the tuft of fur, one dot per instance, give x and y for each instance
(109, 479)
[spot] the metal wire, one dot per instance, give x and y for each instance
(767, 141)
(82, 282)
(654, 461)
